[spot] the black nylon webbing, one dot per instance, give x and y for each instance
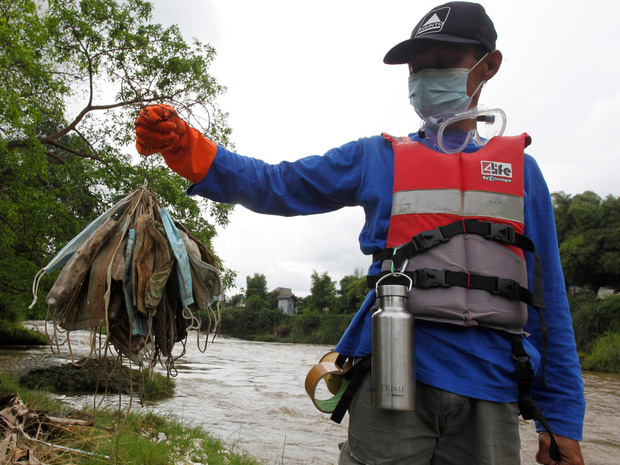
(427, 239)
(495, 231)
(427, 278)
(356, 376)
(527, 407)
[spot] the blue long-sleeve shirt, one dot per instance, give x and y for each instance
(474, 362)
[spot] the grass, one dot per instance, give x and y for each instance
(605, 355)
(597, 331)
(137, 438)
(595, 318)
(15, 334)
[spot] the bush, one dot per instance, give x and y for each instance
(270, 325)
(317, 329)
(595, 318)
(605, 355)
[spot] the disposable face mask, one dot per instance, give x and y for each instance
(433, 91)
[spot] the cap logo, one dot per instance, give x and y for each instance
(434, 21)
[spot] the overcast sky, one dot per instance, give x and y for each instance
(306, 76)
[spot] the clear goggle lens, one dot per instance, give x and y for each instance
(490, 122)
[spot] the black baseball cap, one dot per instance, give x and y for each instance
(454, 22)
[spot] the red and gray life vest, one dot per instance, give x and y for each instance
(456, 230)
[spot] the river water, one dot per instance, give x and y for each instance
(251, 395)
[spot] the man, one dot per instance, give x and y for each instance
(467, 389)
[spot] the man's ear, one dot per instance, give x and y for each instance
(491, 65)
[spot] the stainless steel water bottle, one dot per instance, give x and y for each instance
(393, 374)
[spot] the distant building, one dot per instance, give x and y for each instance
(606, 292)
(286, 300)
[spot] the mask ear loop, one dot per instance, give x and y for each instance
(477, 63)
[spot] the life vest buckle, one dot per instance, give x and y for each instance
(426, 278)
(525, 372)
(501, 232)
(506, 288)
(428, 239)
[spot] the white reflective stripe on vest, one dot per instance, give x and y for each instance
(455, 202)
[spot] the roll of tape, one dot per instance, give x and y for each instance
(336, 384)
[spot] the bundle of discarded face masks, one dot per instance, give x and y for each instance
(136, 277)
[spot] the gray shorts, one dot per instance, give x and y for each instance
(445, 429)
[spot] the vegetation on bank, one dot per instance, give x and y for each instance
(300, 329)
(15, 334)
(597, 331)
(588, 231)
(140, 437)
(100, 376)
(320, 318)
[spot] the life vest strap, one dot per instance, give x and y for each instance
(527, 407)
(499, 232)
(428, 239)
(427, 278)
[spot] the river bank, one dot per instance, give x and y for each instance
(36, 427)
(16, 334)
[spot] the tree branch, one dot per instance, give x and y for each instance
(56, 157)
(52, 138)
(35, 256)
(86, 141)
(73, 151)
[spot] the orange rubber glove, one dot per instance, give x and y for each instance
(187, 152)
(158, 128)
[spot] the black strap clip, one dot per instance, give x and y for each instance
(426, 278)
(506, 288)
(501, 232)
(525, 377)
(427, 239)
(524, 367)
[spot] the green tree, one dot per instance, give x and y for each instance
(256, 287)
(73, 76)
(352, 292)
(589, 237)
(322, 298)
(261, 306)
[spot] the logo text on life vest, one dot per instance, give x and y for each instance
(494, 171)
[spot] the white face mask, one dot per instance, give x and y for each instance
(432, 91)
